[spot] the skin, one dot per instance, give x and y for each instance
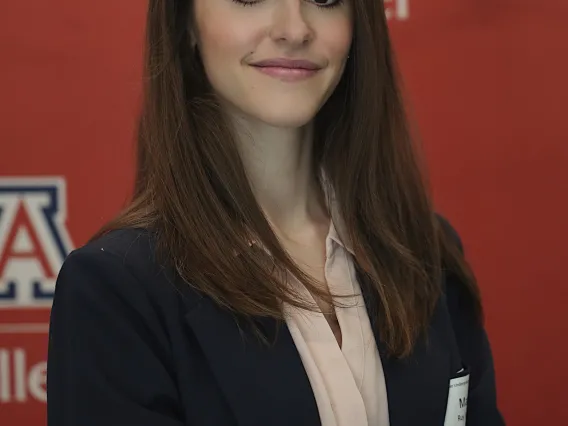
(273, 117)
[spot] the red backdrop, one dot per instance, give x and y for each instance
(486, 83)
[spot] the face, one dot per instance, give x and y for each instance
(276, 61)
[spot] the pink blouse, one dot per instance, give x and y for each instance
(348, 381)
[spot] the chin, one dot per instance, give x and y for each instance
(285, 117)
(288, 122)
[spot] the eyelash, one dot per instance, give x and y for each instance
(252, 3)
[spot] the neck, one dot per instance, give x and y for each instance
(278, 163)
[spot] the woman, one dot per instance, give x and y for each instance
(280, 263)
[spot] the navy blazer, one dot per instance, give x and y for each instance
(130, 345)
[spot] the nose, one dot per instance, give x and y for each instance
(290, 24)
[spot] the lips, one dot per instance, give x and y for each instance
(289, 70)
(287, 63)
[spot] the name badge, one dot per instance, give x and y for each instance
(457, 400)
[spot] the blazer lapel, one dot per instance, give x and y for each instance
(417, 386)
(265, 384)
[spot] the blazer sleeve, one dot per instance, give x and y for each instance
(107, 359)
(475, 351)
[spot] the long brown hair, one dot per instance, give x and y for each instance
(193, 194)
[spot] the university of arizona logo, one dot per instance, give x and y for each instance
(33, 240)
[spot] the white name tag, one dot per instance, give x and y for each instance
(457, 401)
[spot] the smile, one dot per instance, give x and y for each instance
(289, 70)
(287, 74)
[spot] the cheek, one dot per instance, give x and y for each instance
(338, 41)
(224, 38)
(222, 49)
(217, 43)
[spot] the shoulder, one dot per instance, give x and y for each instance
(463, 302)
(461, 293)
(112, 297)
(134, 248)
(454, 263)
(117, 255)
(121, 266)
(449, 231)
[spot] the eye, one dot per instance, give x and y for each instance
(247, 2)
(327, 4)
